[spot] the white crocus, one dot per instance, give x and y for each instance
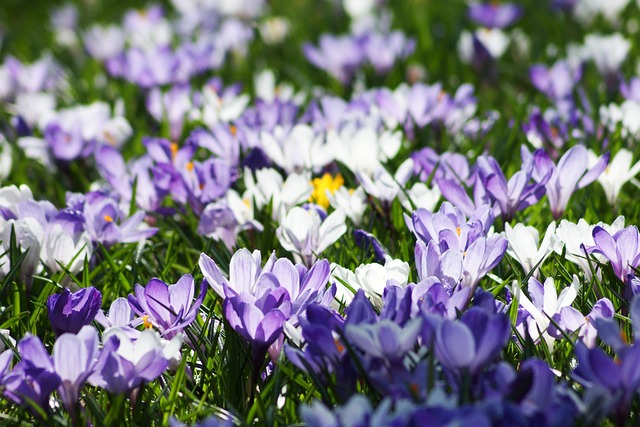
(494, 40)
(218, 109)
(29, 236)
(523, 245)
(306, 235)
(382, 185)
(364, 150)
(297, 150)
(552, 304)
(371, 278)
(268, 186)
(586, 10)
(421, 196)
(608, 52)
(575, 236)
(352, 202)
(619, 172)
(626, 114)
(70, 251)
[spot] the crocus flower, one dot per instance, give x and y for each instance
(622, 249)
(69, 312)
(616, 381)
(544, 304)
(130, 363)
(617, 173)
(120, 315)
(32, 379)
(571, 173)
(74, 358)
(514, 195)
(576, 237)
(170, 308)
(571, 320)
(304, 233)
(608, 53)
(385, 339)
(339, 56)
(523, 245)
(557, 82)
(472, 342)
(274, 294)
(495, 15)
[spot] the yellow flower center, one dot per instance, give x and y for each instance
(108, 218)
(146, 322)
(174, 150)
(189, 166)
(321, 185)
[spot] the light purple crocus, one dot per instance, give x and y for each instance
(558, 81)
(340, 56)
(631, 90)
(257, 300)
(107, 224)
(494, 15)
(571, 174)
(571, 320)
(74, 358)
(514, 195)
(622, 249)
(384, 339)
(127, 364)
(170, 308)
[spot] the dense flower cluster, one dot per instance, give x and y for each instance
(338, 240)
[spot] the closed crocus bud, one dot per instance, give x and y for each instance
(69, 312)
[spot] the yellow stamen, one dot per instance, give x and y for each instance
(146, 322)
(339, 345)
(246, 202)
(108, 218)
(458, 231)
(233, 129)
(174, 150)
(321, 185)
(351, 191)
(190, 166)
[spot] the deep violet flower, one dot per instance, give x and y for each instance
(69, 312)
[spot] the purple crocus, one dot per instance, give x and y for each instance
(571, 173)
(170, 308)
(128, 364)
(69, 312)
(472, 342)
(339, 56)
(384, 339)
(622, 249)
(571, 320)
(258, 300)
(106, 223)
(631, 90)
(74, 358)
(32, 380)
(495, 15)
(558, 81)
(514, 195)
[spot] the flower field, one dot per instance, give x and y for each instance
(325, 213)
